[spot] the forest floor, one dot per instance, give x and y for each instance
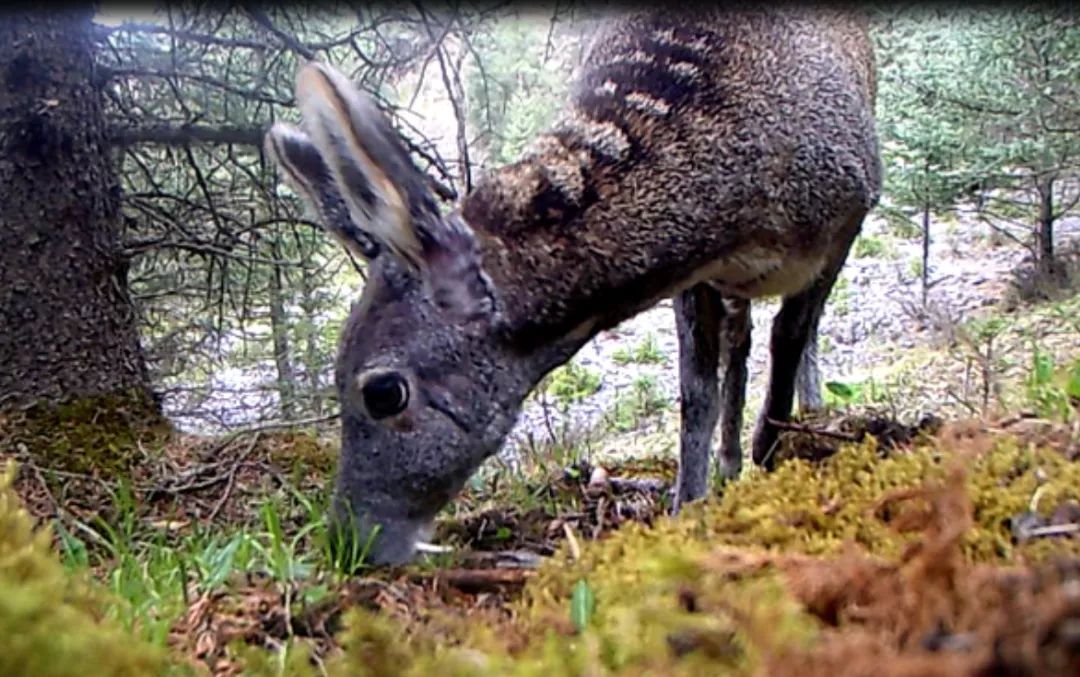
(938, 549)
(925, 524)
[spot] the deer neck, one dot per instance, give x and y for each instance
(560, 275)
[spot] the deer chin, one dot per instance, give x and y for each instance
(387, 541)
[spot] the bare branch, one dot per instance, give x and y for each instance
(186, 134)
(103, 32)
(218, 83)
(261, 19)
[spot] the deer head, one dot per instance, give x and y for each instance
(427, 387)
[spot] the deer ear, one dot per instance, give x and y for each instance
(304, 170)
(388, 195)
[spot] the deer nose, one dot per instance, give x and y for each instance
(368, 540)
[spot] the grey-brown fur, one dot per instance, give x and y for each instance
(716, 157)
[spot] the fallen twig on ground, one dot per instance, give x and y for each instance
(481, 580)
(231, 475)
(802, 428)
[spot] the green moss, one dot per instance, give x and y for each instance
(293, 661)
(662, 608)
(50, 623)
(819, 508)
(103, 434)
(642, 625)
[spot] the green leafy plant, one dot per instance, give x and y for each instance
(1053, 393)
(840, 297)
(915, 267)
(1072, 387)
(572, 383)
(843, 392)
(582, 605)
(648, 351)
(644, 399)
(839, 394)
(871, 246)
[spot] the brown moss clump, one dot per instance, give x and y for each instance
(931, 611)
(86, 435)
(50, 623)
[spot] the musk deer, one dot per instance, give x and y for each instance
(714, 157)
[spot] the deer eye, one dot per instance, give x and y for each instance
(385, 395)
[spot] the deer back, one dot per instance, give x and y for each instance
(703, 146)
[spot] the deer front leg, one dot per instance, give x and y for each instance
(808, 377)
(698, 313)
(794, 326)
(735, 344)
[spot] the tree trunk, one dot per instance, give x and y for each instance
(925, 273)
(1046, 264)
(310, 307)
(279, 330)
(67, 326)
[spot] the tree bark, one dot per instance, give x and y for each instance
(310, 308)
(924, 277)
(279, 330)
(925, 272)
(67, 326)
(1046, 263)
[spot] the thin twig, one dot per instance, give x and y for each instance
(802, 428)
(483, 580)
(571, 541)
(24, 459)
(274, 425)
(1052, 530)
(45, 487)
(232, 477)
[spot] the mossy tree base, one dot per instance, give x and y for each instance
(103, 435)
